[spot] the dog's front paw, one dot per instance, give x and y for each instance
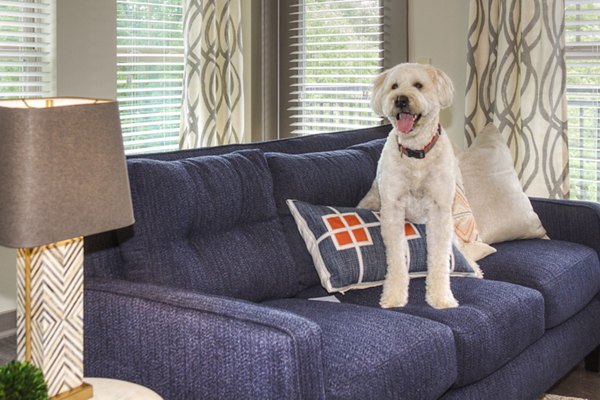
(441, 301)
(393, 298)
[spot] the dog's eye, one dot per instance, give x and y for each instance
(394, 86)
(418, 85)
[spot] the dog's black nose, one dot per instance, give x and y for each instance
(401, 102)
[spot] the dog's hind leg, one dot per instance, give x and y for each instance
(439, 246)
(372, 200)
(395, 285)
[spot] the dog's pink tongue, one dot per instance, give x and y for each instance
(405, 123)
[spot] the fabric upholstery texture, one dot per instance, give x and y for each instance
(208, 224)
(199, 223)
(494, 322)
(296, 145)
(566, 274)
(188, 345)
(101, 256)
(502, 211)
(570, 220)
(348, 250)
(372, 147)
(103, 247)
(378, 354)
(339, 178)
(542, 364)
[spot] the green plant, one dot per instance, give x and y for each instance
(22, 381)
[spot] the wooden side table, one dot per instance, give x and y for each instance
(114, 389)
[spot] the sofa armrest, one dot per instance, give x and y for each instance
(570, 220)
(187, 345)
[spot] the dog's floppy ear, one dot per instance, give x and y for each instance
(444, 87)
(377, 93)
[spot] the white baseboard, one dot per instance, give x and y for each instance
(8, 323)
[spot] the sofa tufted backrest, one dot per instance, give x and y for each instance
(102, 252)
(329, 178)
(294, 145)
(208, 224)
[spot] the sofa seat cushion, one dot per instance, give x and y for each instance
(208, 224)
(335, 178)
(566, 274)
(493, 324)
(378, 354)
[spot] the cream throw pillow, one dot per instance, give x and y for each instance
(502, 211)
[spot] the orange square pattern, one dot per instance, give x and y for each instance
(360, 235)
(347, 236)
(343, 238)
(409, 230)
(352, 220)
(334, 222)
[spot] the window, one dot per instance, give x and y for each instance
(336, 48)
(26, 33)
(150, 64)
(583, 97)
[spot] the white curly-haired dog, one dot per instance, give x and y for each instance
(415, 178)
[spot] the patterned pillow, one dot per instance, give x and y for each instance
(348, 251)
(465, 228)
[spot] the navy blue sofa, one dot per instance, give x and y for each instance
(206, 295)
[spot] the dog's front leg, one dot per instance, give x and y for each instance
(439, 245)
(395, 285)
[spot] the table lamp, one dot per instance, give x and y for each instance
(62, 176)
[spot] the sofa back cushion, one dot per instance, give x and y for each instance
(294, 145)
(336, 178)
(208, 224)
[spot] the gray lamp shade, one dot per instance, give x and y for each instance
(62, 170)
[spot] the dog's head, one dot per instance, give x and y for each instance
(411, 95)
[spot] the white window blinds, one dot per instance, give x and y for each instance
(26, 33)
(337, 49)
(583, 97)
(150, 65)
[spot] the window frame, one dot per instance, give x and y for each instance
(271, 47)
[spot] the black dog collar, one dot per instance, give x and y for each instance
(421, 153)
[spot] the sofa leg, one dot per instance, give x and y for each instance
(592, 360)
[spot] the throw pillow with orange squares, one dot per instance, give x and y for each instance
(348, 250)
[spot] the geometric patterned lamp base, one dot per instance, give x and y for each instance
(50, 315)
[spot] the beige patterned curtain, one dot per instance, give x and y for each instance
(213, 99)
(516, 78)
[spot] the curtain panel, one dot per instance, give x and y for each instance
(516, 78)
(213, 100)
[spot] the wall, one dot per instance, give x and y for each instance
(441, 36)
(8, 283)
(86, 43)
